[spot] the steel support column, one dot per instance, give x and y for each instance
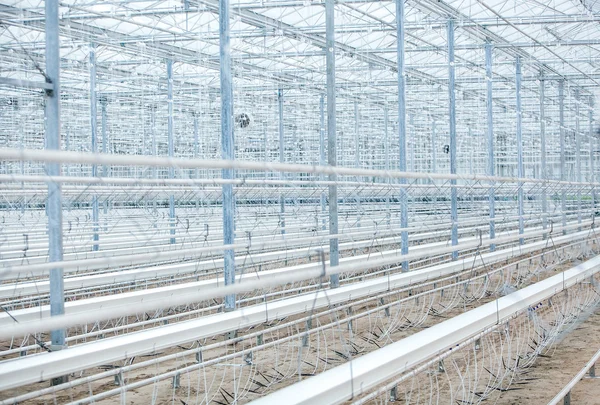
(519, 129)
(170, 145)
(281, 160)
(490, 140)
(433, 151)
(412, 145)
(322, 158)
(592, 178)
(196, 144)
(386, 139)
(386, 151)
(22, 170)
(579, 177)
(54, 202)
(94, 146)
(331, 137)
(105, 168)
(563, 174)
(227, 147)
(265, 147)
(400, 23)
(67, 147)
(357, 161)
(543, 170)
(434, 156)
(356, 137)
(196, 153)
(452, 121)
(154, 153)
(598, 152)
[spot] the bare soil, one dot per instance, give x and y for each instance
(552, 372)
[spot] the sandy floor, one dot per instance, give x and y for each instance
(550, 374)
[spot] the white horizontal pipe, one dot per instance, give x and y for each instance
(156, 161)
(6, 179)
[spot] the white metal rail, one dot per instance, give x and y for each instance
(358, 376)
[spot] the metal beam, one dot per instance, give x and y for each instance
(54, 202)
(105, 168)
(356, 137)
(196, 143)
(154, 152)
(433, 147)
(519, 130)
(94, 146)
(170, 144)
(543, 170)
(322, 157)
(490, 139)
(334, 279)
(357, 161)
(452, 124)
(386, 153)
(227, 148)
(402, 127)
(25, 83)
(578, 174)
(101, 36)
(561, 123)
(431, 22)
(591, 138)
(183, 54)
(281, 160)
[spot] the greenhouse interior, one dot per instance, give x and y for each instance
(299, 202)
